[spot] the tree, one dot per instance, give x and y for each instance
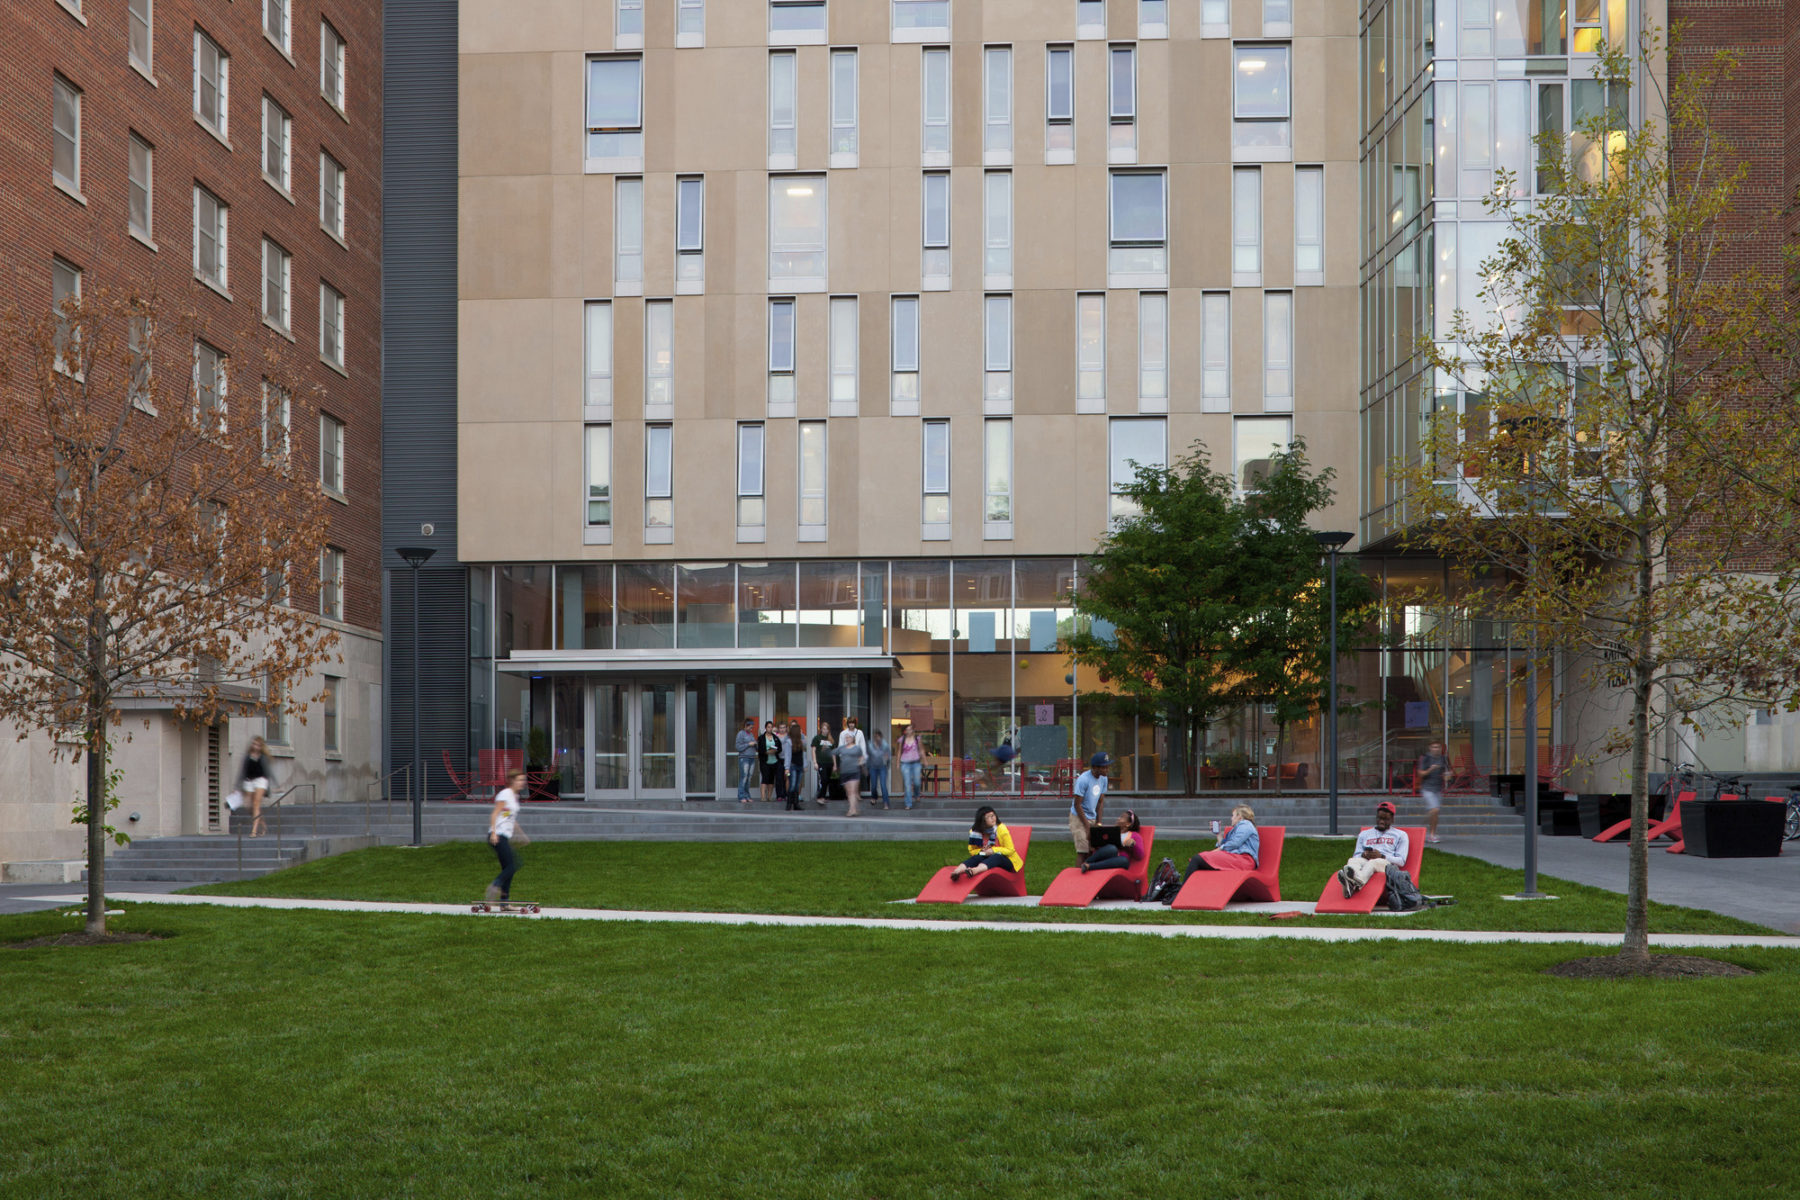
(1617, 464)
(146, 539)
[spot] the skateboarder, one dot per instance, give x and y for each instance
(503, 822)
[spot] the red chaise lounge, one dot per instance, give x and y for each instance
(1075, 889)
(944, 890)
(1212, 890)
(1333, 900)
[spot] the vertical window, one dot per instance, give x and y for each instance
(1309, 225)
(1153, 18)
(783, 137)
(615, 110)
(997, 105)
(659, 471)
(139, 334)
(278, 129)
(1090, 18)
(210, 372)
(1153, 351)
(332, 731)
(331, 584)
(1059, 104)
(141, 173)
(1136, 442)
(905, 391)
(843, 108)
(1090, 352)
(1215, 352)
(628, 24)
(277, 410)
(277, 267)
(915, 20)
(1260, 105)
(599, 477)
(1278, 352)
(750, 476)
(331, 454)
(997, 470)
(331, 196)
(797, 22)
(1121, 104)
(1278, 18)
(843, 355)
(599, 392)
(997, 324)
(210, 219)
(65, 305)
(275, 728)
(690, 230)
(781, 358)
(1246, 226)
(935, 219)
(65, 159)
(797, 231)
(936, 475)
(331, 66)
(1215, 18)
(139, 39)
(1139, 213)
(813, 466)
(212, 80)
(997, 230)
(275, 23)
(690, 23)
(1258, 440)
(628, 236)
(659, 354)
(331, 325)
(934, 107)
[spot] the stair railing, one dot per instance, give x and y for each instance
(272, 813)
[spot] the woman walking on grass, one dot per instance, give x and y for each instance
(990, 847)
(503, 824)
(852, 749)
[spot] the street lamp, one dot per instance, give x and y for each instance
(1331, 543)
(416, 557)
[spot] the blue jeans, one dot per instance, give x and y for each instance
(878, 786)
(746, 775)
(910, 773)
(509, 866)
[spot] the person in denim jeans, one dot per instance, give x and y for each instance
(746, 752)
(878, 770)
(912, 763)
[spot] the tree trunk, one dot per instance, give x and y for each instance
(1636, 948)
(1280, 733)
(1194, 735)
(96, 821)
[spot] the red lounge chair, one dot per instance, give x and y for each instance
(1211, 890)
(462, 783)
(1074, 889)
(1333, 900)
(1670, 826)
(944, 890)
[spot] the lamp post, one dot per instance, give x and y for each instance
(416, 557)
(1331, 543)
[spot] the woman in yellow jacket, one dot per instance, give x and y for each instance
(990, 847)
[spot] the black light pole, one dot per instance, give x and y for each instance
(416, 557)
(1332, 543)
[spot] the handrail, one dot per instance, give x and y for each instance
(274, 806)
(387, 794)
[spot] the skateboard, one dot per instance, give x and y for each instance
(504, 906)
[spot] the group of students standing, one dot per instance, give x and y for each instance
(776, 761)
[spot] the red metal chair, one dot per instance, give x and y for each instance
(1212, 890)
(1074, 888)
(462, 783)
(1364, 900)
(1555, 763)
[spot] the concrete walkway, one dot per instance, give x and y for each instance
(1692, 941)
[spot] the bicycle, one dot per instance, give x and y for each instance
(1720, 783)
(1791, 830)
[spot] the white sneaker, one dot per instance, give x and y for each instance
(1431, 839)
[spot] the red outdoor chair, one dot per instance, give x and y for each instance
(1333, 900)
(462, 783)
(1558, 761)
(944, 890)
(1669, 826)
(1212, 890)
(1074, 888)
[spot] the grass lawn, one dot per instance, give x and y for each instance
(859, 879)
(321, 1055)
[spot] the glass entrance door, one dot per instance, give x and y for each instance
(637, 741)
(656, 742)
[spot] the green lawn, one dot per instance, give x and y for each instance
(861, 878)
(301, 1054)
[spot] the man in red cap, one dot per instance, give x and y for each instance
(1378, 851)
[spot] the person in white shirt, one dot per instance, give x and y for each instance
(852, 751)
(503, 822)
(1379, 851)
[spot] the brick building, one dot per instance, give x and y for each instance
(225, 156)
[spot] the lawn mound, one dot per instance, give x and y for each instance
(85, 939)
(1662, 966)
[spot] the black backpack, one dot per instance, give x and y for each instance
(1164, 884)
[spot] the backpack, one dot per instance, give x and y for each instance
(1402, 894)
(1164, 884)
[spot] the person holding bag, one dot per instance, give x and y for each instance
(852, 750)
(504, 834)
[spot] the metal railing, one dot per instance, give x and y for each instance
(272, 814)
(387, 795)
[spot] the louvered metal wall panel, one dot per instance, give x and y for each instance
(443, 673)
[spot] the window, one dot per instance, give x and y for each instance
(996, 458)
(1246, 227)
(276, 410)
(599, 476)
(210, 219)
(278, 130)
(65, 308)
(599, 393)
(843, 356)
(783, 138)
(1153, 18)
(140, 170)
(628, 24)
(212, 81)
(1215, 18)
(813, 466)
(331, 196)
(331, 585)
(781, 358)
(331, 325)
(1090, 352)
(277, 267)
(690, 23)
(329, 698)
(904, 394)
(1278, 18)
(331, 454)
(934, 108)
(659, 354)
(1257, 440)
(1153, 352)
(139, 337)
(1090, 18)
(919, 20)
(275, 727)
(935, 214)
(690, 232)
(750, 477)
(936, 476)
(797, 231)
(659, 467)
(275, 23)
(997, 106)
(615, 112)
(139, 38)
(997, 231)
(1059, 104)
(1278, 352)
(1215, 352)
(797, 22)
(843, 108)
(1260, 100)
(1136, 442)
(1140, 244)
(628, 237)
(331, 66)
(1121, 104)
(210, 372)
(65, 159)
(997, 323)
(1309, 225)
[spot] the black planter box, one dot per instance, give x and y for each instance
(1600, 811)
(1558, 817)
(1732, 828)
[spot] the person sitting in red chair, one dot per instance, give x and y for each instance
(1239, 848)
(1110, 855)
(990, 847)
(1382, 850)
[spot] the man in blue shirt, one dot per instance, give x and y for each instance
(746, 752)
(1089, 804)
